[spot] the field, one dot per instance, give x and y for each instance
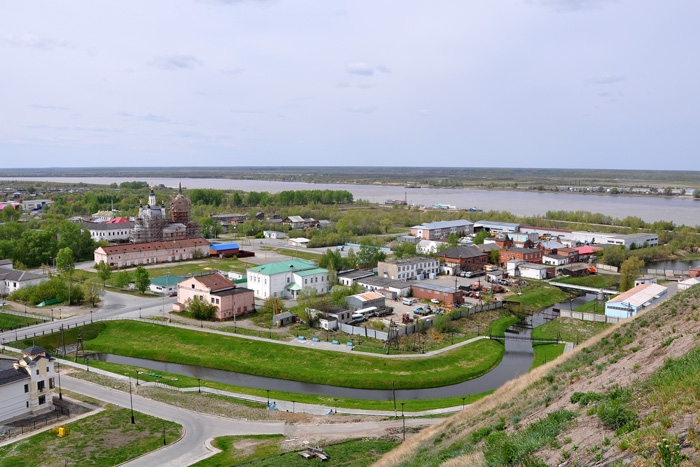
(569, 330)
(8, 321)
(538, 295)
(230, 353)
(104, 439)
(266, 450)
(596, 280)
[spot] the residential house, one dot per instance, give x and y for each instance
(347, 278)
(298, 222)
(519, 268)
(14, 279)
(463, 258)
(428, 247)
(229, 299)
(285, 279)
(165, 285)
(635, 300)
(26, 385)
(417, 267)
(442, 229)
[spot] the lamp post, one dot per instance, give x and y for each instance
(268, 397)
(137, 377)
(463, 402)
(139, 312)
(91, 315)
(403, 420)
(164, 443)
(131, 401)
(87, 363)
(292, 406)
(199, 386)
(52, 315)
(60, 392)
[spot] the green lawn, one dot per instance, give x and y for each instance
(538, 295)
(499, 326)
(592, 307)
(545, 353)
(265, 450)
(569, 330)
(157, 342)
(180, 381)
(8, 321)
(104, 439)
(299, 253)
(595, 280)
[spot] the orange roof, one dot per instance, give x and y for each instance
(216, 282)
(117, 220)
(152, 246)
(370, 296)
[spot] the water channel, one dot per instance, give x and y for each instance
(517, 361)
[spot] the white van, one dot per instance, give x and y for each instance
(409, 301)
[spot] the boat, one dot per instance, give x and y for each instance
(412, 186)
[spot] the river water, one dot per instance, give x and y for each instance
(649, 208)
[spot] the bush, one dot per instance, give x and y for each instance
(200, 309)
(584, 398)
(615, 416)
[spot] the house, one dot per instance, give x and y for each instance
(215, 289)
(635, 300)
(411, 268)
(550, 246)
(446, 295)
(463, 258)
(285, 279)
(575, 269)
(555, 260)
(6, 263)
(520, 268)
(13, 279)
(365, 300)
(298, 222)
(103, 216)
(299, 242)
(224, 250)
(231, 218)
(496, 227)
(109, 231)
(35, 204)
(381, 284)
(646, 280)
(26, 385)
(529, 255)
(688, 283)
(442, 229)
(428, 247)
(134, 254)
(347, 278)
(572, 253)
(408, 239)
(323, 224)
(274, 235)
(165, 285)
(495, 275)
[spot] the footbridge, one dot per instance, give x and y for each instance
(584, 288)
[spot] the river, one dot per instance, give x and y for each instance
(649, 208)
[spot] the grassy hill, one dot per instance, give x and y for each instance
(628, 396)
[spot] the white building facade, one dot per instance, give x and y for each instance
(286, 279)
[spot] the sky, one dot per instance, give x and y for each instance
(466, 83)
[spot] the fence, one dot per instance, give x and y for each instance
(605, 267)
(25, 314)
(27, 426)
(409, 329)
(590, 317)
(666, 272)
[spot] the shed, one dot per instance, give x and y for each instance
(224, 250)
(364, 300)
(284, 319)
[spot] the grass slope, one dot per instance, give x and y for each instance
(8, 321)
(538, 295)
(596, 280)
(569, 330)
(168, 344)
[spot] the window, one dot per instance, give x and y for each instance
(41, 385)
(42, 400)
(51, 383)
(37, 372)
(26, 388)
(193, 286)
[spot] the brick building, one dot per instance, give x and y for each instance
(218, 291)
(529, 255)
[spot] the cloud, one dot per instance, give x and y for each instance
(572, 5)
(367, 109)
(607, 79)
(364, 69)
(364, 86)
(46, 107)
(424, 113)
(176, 62)
(232, 71)
(247, 112)
(34, 42)
(149, 117)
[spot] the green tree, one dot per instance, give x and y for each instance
(104, 272)
(369, 255)
(696, 194)
(200, 308)
(629, 271)
(122, 280)
(480, 237)
(614, 256)
(453, 240)
(93, 290)
(65, 263)
(142, 279)
(494, 256)
(405, 250)
(210, 227)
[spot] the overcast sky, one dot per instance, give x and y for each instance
(514, 83)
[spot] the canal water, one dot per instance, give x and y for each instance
(521, 203)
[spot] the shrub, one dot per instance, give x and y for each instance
(614, 416)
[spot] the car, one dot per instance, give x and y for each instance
(172, 294)
(409, 301)
(435, 300)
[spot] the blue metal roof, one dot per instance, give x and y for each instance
(224, 246)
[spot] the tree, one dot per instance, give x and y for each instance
(210, 227)
(405, 250)
(200, 308)
(123, 279)
(494, 256)
(93, 290)
(369, 255)
(104, 271)
(65, 263)
(696, 194)
(453, 240)
(480, 237)
(629, 271)
(142, 279)
(614, 256)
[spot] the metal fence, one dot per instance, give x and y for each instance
(27, 426)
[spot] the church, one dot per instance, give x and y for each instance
(155, 224)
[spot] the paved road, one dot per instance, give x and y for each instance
(200, 427)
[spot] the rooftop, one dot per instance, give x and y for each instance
(443, 224)
(311, 272)
(438, 288)
(376, 281)
(369, 296)
(19, 275)
(356, 273)
(639, 295)
(152, 246)
(215, 282)
(280, 267)
(457, 252)
(224, 246)
(166, 280)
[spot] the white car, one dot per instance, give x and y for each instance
(435, 300)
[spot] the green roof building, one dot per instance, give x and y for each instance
(165, 284)
(286, 279)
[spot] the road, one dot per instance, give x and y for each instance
(198, 428)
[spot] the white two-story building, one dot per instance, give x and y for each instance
(286, 279)
(27, 384)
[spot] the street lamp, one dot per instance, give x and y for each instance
(60, 392)
(164, 443)
(268, 397)
(292, 406)
(131, 400)
(137, 377)
(463, 402)
(51, 314)
(403, 420)
(91, 315)
(199, 386)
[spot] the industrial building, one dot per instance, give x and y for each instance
(418, 267)
(442, 229)
(635, 300)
